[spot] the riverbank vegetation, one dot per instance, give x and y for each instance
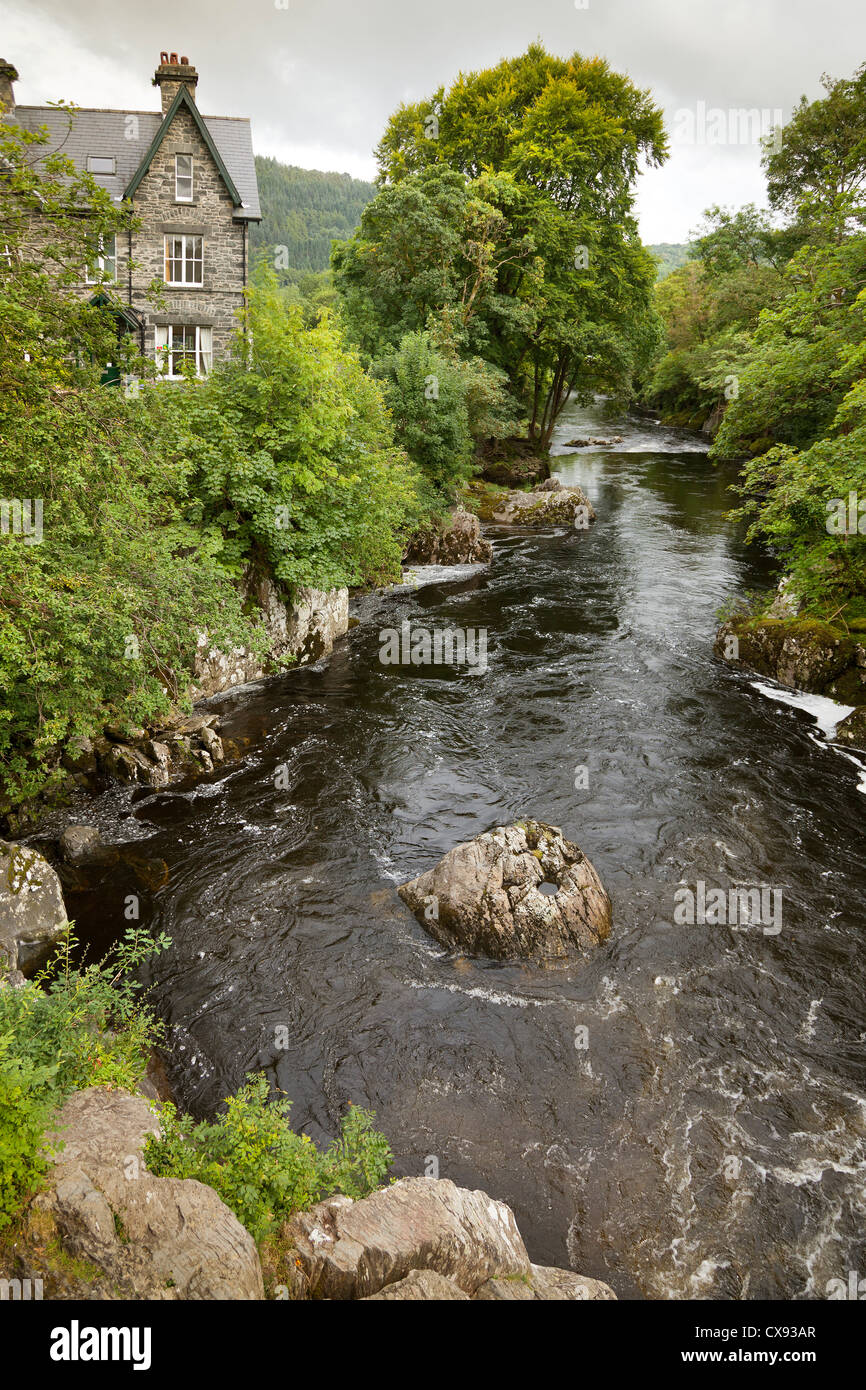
(141, 508)
(503, 233)
(766, 338)
(80, 1025)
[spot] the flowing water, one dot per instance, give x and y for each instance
(709, 1140)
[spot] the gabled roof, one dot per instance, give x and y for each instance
(100, 132)
(182, 98)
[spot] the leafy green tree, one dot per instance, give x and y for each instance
(573, 129)
(505, 206)
(293, 454)
(798, 366)
(820, 159)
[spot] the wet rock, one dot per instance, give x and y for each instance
(350, 1250)
(32, 914)
(158, 753)
(304, 629)
(519, 891)
(513, 462)
(458, 542)
(81, 844)
(852, 730)
(802, 653)
(122, 1232)
(594, 442)
(212, 743)
(126, 764)
(420, 1284)
(545, 1284)
(562, 506)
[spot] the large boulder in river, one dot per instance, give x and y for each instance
(543, 506)
(32, 915)
(517, 891)
(350, 1250)
(457, 542)
(105, 1227)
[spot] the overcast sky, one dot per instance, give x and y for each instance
(318, 78)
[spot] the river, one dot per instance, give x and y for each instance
(708, 1141)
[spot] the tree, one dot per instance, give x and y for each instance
(505, 207)
(820, 160)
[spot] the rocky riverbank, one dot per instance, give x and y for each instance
(105, 1227)
(804, 654)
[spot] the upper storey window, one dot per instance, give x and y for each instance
(184, 260)
(183, 178)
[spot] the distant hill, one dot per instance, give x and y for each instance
(304, 209)
(670, 255)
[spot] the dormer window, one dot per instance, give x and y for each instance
(183, 178)
(101, 164)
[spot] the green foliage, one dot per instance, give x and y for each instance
(504, 215)
(802, 356)
(154, 506)
(304, 210)
(670, 255)
(440, 404)
(710, 306)
(65, 1030)
(100, 618)
(801, 498)
(259, 1166)
(820, 158)
(776, 314)
(293, 457)
(571, 128)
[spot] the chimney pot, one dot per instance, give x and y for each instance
(171, 75)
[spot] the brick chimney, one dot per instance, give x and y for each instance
(173, 73)
(8, 75)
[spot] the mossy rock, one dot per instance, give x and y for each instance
(804, 653)
(852, 731)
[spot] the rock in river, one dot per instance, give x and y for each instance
(32, 915)
(517, 891)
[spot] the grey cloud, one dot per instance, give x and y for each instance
(320, 77)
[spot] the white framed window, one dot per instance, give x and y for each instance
(183, 343)
(184, 260)
(101, 164)
(103, 265)
(183, 178)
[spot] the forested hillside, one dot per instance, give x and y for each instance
(670, 256)
(304, 210)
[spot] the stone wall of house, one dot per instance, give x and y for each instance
(216, 303)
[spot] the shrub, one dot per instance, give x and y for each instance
(86, 1027)
(259, 1166)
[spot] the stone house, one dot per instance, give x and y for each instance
(189, 181)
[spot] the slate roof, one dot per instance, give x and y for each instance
(95, 132)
